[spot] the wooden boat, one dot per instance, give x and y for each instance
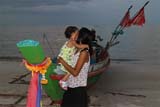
(34, 55)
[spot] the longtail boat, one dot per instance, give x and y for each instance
(36, 61)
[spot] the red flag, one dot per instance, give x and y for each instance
(126, 20)
(139, 18)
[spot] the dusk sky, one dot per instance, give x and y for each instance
(82, 12)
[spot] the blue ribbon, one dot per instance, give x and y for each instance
(39, 93)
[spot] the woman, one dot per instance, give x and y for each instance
(66, 52)
(76, 95)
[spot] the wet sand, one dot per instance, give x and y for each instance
(128, 85)
(123, 85)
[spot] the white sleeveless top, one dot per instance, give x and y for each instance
(81, 79)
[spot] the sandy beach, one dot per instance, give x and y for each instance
(123, 85)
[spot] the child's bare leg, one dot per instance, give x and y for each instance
(65, 78)
(63, 82)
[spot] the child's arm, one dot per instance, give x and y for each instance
(81, 46)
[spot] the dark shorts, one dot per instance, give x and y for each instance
(75, 97)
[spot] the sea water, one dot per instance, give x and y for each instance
(137, 44)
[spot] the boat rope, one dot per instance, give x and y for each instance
(48, 43)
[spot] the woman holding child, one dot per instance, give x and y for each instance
(76, 93)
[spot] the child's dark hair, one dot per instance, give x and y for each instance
(85, 37)
(69, 30)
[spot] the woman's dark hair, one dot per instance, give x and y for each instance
(69, 30)
(85, 37)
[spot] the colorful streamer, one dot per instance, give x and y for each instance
(32, 91)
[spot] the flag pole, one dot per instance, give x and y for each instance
(122, 27)
(119, 30)
(146, 3)
(115, 34)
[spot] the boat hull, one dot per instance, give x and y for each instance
(95, 72)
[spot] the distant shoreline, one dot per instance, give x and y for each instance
(10, 58)
(19, 59)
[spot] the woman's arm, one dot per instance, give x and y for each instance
(75, 71)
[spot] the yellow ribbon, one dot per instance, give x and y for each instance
(41, 68)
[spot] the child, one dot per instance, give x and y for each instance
(66, 52)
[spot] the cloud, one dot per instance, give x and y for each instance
(31, 6)
(35, 3)
(71, 11)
